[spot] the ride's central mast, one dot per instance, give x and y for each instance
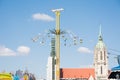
(57, 43)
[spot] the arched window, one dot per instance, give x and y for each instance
(101, 57)
(104, 55)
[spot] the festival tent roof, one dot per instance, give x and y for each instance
(116, 68)
(77, 72)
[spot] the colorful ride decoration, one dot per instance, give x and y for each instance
(25, 77)
(5, 76)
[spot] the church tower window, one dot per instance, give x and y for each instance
(101, 70)
(101, 55)
(104, 55)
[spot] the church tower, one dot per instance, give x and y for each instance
(100, 59)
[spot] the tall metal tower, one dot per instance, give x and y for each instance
(57, 42)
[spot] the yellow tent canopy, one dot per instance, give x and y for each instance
(5, 76)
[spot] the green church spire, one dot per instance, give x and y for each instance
(100, 34)
(100, 43)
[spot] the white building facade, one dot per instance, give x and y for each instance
(49, 68)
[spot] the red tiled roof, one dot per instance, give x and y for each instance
(77, 72)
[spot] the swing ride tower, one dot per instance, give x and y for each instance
(57, 42)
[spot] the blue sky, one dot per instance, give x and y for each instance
(21, 20)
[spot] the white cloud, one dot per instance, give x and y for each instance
(84, 50)
(23, 50)
(4, 51)
(43, 17)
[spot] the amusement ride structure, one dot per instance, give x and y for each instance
(58, 33)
